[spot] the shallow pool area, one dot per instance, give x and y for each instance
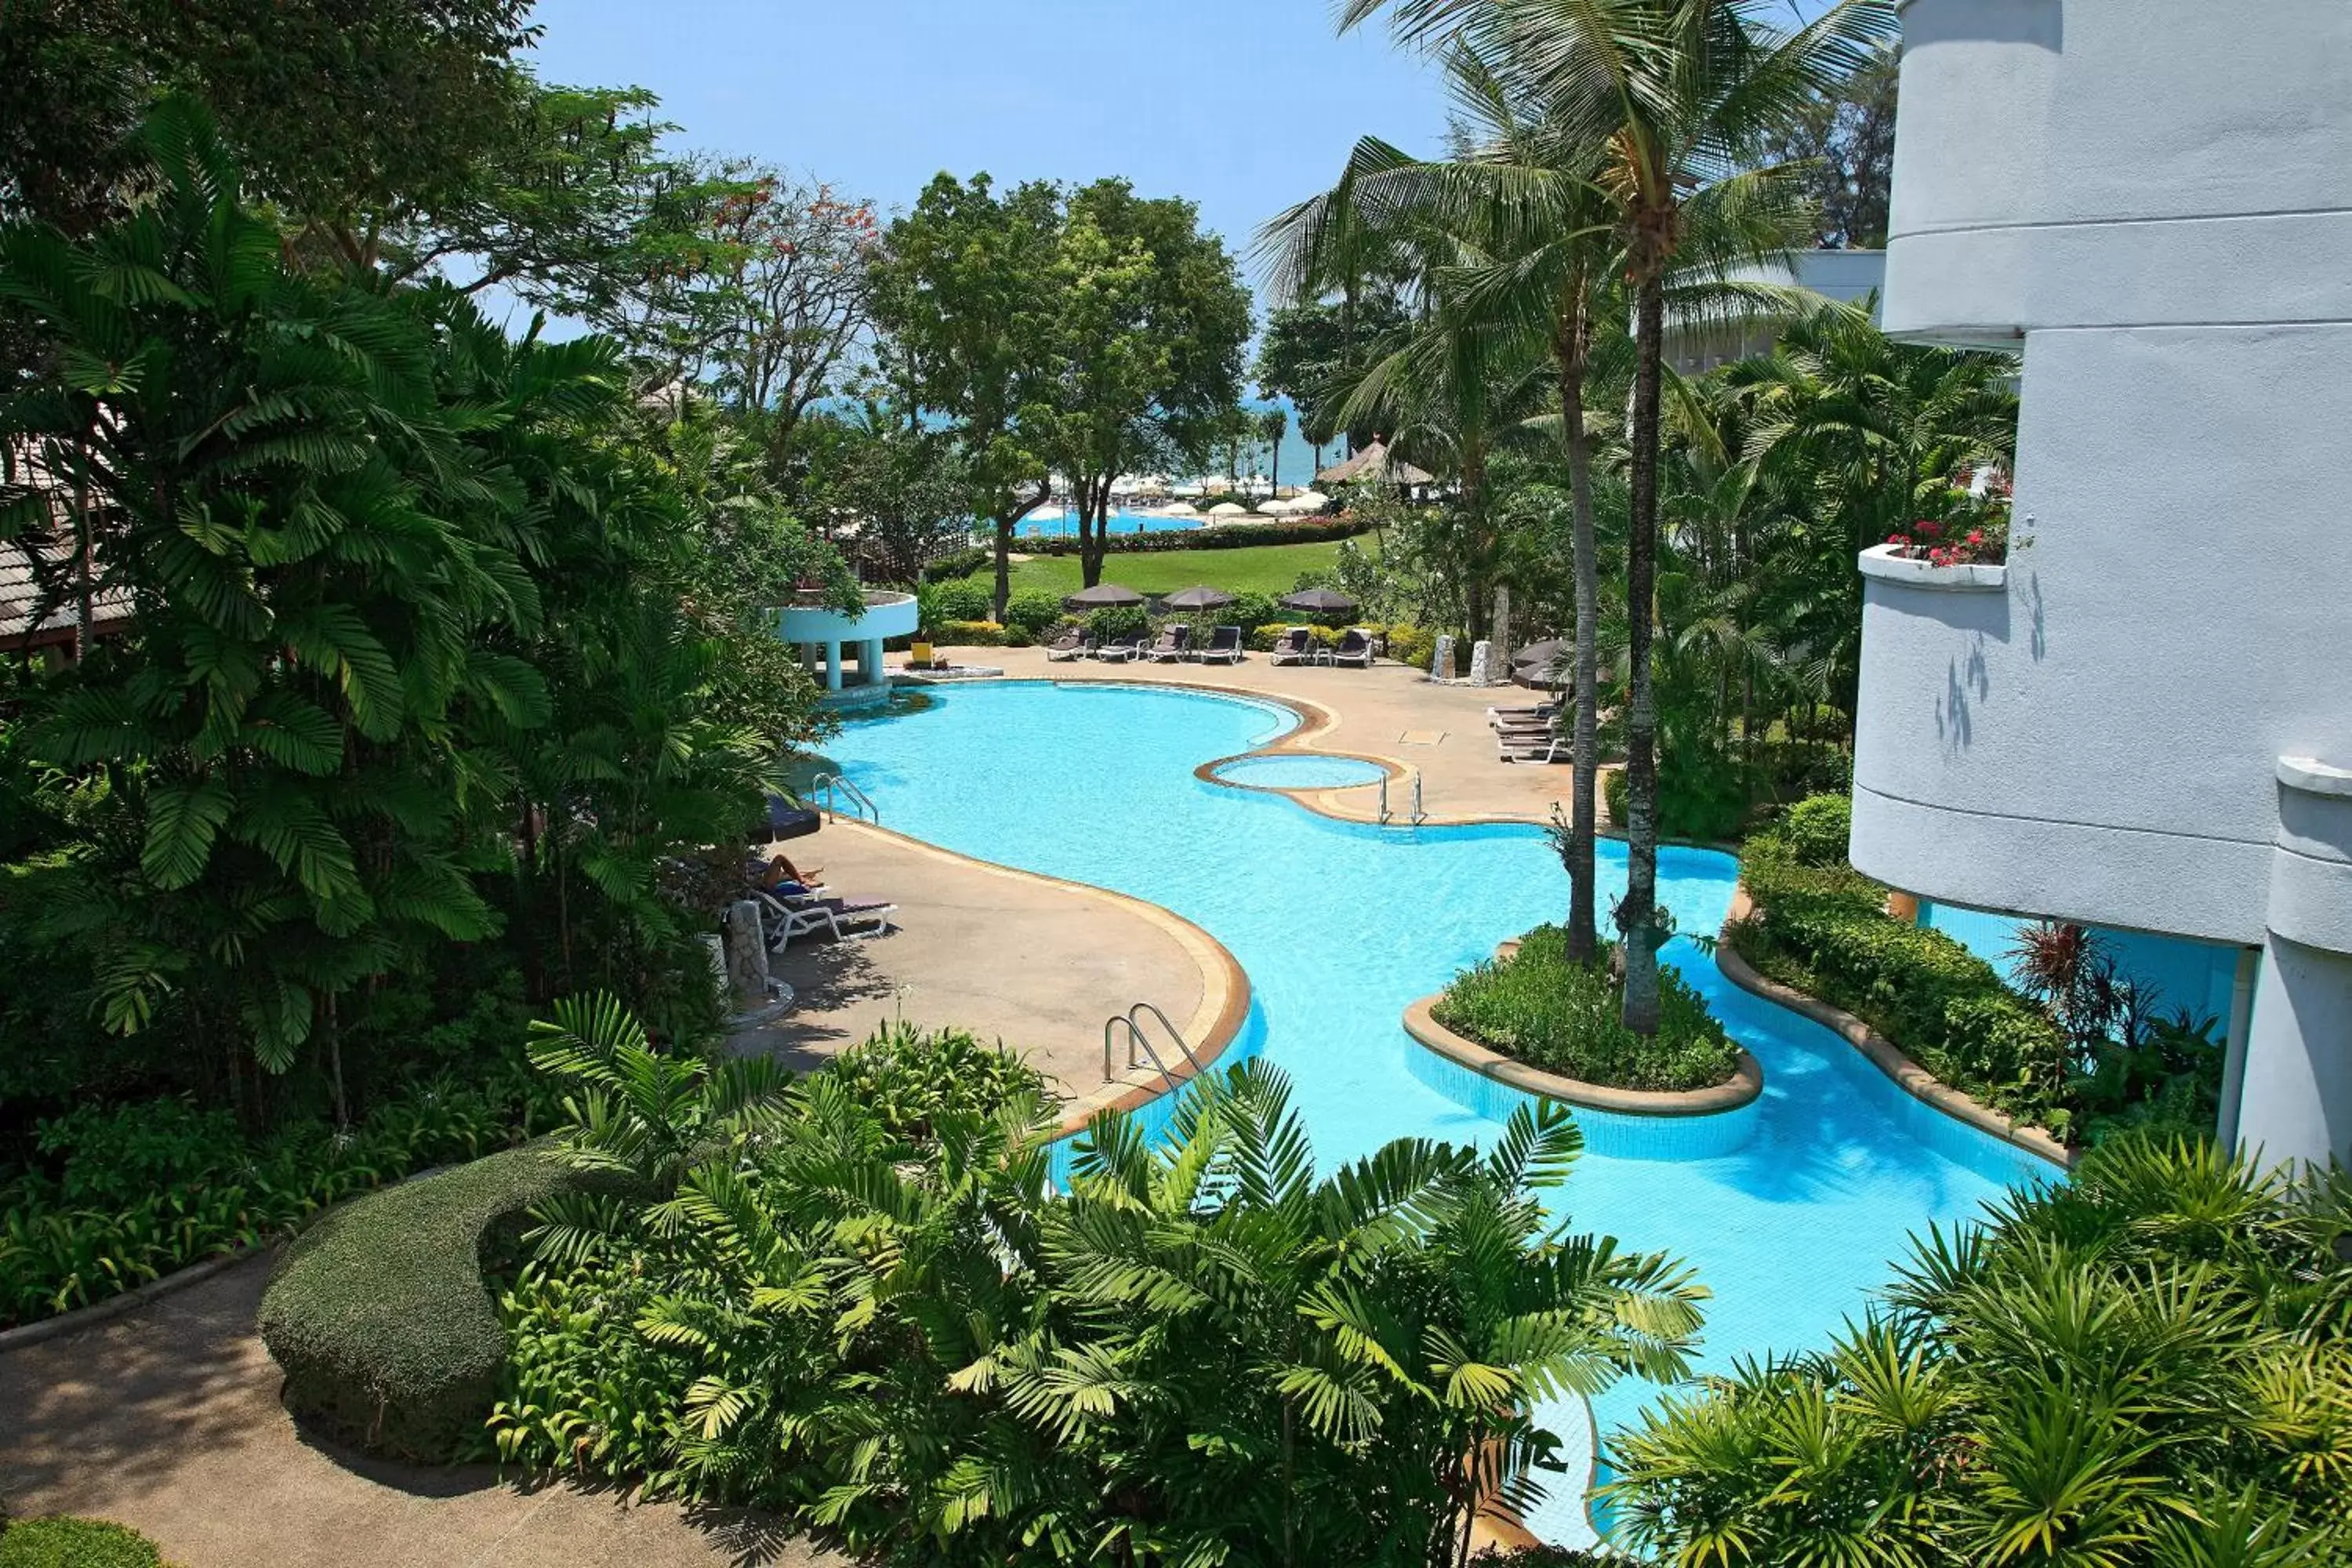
(1790, 1209)
(1300, 771)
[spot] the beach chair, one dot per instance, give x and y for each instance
(1355, 648)
(1071, 644)
(1119, 650)
(1535, 746)
(1295, 646)
(788, 915)
(1225, 646)
(1504, 717)
(1175, 642)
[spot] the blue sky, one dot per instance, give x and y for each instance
(1243, 106)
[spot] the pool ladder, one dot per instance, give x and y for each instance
(832, 789)
(1131, 1021)
(1418, 815)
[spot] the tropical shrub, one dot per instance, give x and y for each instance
(958, 599)
(378, 1315)
(61, 1542)
(1824, 931)
(969, 634)
(1192, 1350)
(910, 1077)
(1032, 610)
(1704, 796)
(1118, 621)
(1818, 827)
(124, 1195)
(1409, 644)
(1538, 1008)
(2147, 1366)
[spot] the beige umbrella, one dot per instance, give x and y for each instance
(1228, 508)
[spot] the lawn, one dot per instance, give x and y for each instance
(1253, 569)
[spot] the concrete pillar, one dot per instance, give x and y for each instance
(1481, 671)
(1441, 663)
(833, 667)
(2294, 1095)
(746, 956)
(869, 663)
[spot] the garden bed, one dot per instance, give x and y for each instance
(1561, 1018)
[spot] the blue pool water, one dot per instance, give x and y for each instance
(1301, 771)
(1056, 525)
(1791, 1210)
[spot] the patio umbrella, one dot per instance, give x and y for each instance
(1542, 664)
(1201, 598)
(1320, 602)
(1274, 508)
(1102, 596)
(1228, 508)
(1309, 501)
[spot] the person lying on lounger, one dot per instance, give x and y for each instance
(773, 875)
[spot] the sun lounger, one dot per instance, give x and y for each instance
(1070, 645)
(1543, 747)
(1355, 648)
(1541, 713)
(1225, 644)
(1119, 650)
(842, 919)
(1174, 643)
(1295, 646)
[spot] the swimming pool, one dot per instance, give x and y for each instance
(1790, 1209)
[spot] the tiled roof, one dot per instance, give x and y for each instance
(20, 596)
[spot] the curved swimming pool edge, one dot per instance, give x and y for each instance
(1225, 1000)
(1881, 1053)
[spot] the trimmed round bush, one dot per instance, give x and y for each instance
(1032, 610)
(962, 599)
(63, 1543)
(1818, 827)
(380, 1318)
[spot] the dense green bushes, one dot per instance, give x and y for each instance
(1537, 1007)
(378, 1314)
(124, 1194)
(2145, 1367)
(1185, 1353)
(1824, 929)
(911, 1077)
(60, 1541)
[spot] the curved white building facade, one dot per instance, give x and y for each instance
(2145, 720)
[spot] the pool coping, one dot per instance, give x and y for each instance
(1877, 1050)
(1216, 1023)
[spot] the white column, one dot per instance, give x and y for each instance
(2294, 1095)
(833, 667)
(870, 664)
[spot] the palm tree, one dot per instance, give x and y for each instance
(1684, 94)
(1273, 424)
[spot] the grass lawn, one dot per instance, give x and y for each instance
(1253, 569)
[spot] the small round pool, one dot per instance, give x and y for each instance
(1300, 772)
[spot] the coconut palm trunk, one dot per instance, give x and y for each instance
(1571, 347)
(1637, 921)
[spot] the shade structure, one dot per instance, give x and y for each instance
(1374, 463)
(1309, 501)
(1228, 508)
(1180, 508)
(1274, 508)
(1320, 602)
(1102, 596)
(1548, 651)
(1543, 663)
(1202, 597)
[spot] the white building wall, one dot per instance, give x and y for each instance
(2153, 198)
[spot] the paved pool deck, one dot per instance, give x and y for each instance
(1033, 962)
(1391, 713)
(167, 1420)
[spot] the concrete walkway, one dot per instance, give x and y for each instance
(1391, 711)
(167, 1420)
(1033, 960)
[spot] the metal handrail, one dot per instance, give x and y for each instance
(1136, 1036)
(1384, 797)
(1173, 1032)
(862, 807)
(1418, 816)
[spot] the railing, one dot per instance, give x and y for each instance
(1131, 1021)
(1418, 815)
(832, 789)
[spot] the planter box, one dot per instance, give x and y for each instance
(1879, 561)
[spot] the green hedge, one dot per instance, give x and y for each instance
(64, 1543)
(379, 1316)
(1223, 536)
(1824, 929)
(1537, 1007)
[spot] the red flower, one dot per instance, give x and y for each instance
(1976, 536)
